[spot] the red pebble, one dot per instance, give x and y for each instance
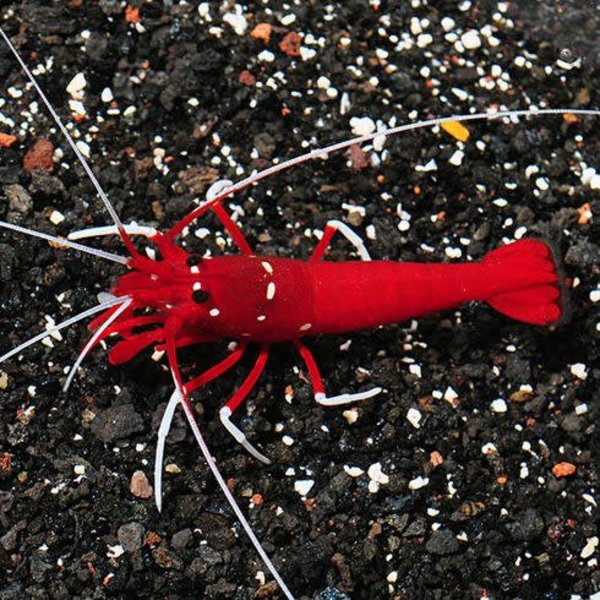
(40, 156)
(247, 78)
(291, 43)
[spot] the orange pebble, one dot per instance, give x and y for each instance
(585, 213)
(571, 118)
(132, 14)
(152, 538)
(502, 479)
(563, 469)
(457, 130)
(436, 459)
(6, 140)
(262, 32)
(257, 499)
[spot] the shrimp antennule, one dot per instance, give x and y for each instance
(80, 317)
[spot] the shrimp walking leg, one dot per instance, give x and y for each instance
(165, 424)
(318, 387)
(238, 397)
(331, 229)
(230, 225)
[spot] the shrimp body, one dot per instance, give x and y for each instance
(271, 299)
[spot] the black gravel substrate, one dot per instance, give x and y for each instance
(196, 92)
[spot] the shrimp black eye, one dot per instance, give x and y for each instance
(193, 259)
(200, 296)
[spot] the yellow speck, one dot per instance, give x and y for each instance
(457, 130)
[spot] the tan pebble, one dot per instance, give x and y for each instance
(140, 486)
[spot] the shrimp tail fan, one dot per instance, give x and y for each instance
(527, 282)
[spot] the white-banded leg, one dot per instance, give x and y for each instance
(167, 418)
(331, 229)
(317, 383)
(238, 397)
(131, 229)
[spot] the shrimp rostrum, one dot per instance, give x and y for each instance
(184, 299)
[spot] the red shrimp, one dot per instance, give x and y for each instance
(188, 299)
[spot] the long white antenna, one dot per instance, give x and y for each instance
(178, 397)
(67, 135)
(83, 315)
(63, 242)
(92, 341)
(325, 151)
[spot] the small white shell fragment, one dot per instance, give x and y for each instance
(418, 482)
(373, 487)
(489, 449)
(427, 167)
(595, 295)
(542, 183)
(499, 405)
(590, 547)
(581, 409)
(115, 551)
(237, 21)
(424, 40)
(351, 415)
(404, 225)
(450, 395)
(579, 370)
(56, 217)
(362, 125)
(471, 39)
(376, 474)
(107, 95)
(266, 56)
(303, 486)
(415, 370)
(414, 417)
(84, 148)
(587, 174)
(323, 82)
(287, 440)
(353, 471)
(520, 232)
(79, 469)
(447, 24)
(76, 86)
(457, 158)
(452, 252)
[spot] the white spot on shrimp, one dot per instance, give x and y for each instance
(194, 269)
(267, 267)
(214, 312)
(305, 327)
(261, 318)
(270, 291)
(197, 286)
